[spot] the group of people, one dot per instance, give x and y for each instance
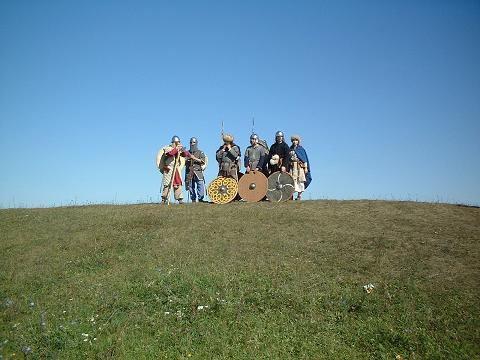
(258, 157)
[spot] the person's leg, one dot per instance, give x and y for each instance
(201, 189)
(166, 185)
(165, 194)
(178, 194)
(301, 189)
(193, 195)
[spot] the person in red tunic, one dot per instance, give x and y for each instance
(169, 158)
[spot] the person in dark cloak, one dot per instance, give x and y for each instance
(278, 154)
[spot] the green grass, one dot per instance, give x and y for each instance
(276, 281)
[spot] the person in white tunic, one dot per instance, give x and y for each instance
(299, 167)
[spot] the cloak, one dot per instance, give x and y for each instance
(302, 156)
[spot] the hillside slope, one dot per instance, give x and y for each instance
(244, 281)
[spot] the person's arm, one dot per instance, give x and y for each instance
(286, 150)
(201, 159)
(269, 157)
(173, 152)
(220, 155)
(304, 159)
(286, 157)
(246, 162)
(233, 153)
(196, 160)
(261, 161)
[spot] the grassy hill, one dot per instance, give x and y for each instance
(243, 281)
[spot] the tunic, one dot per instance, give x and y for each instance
(197, 165)
(228, 161)
(282, 151)
(255, 157)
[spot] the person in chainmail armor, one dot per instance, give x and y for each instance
(194, 178)
(255, 155)
(228, 158)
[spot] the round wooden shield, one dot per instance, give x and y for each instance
(222, 190)
(280, 186)
(252, 187)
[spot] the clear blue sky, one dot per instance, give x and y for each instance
(386, 94)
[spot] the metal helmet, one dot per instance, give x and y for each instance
(254, 137)
(279, 137)
(175, 138)
(193, 144)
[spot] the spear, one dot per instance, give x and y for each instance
(173, 177)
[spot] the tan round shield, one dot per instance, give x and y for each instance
(252, 187)
(280, 186)
(222, 190)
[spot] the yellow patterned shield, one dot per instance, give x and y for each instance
(222, 190)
